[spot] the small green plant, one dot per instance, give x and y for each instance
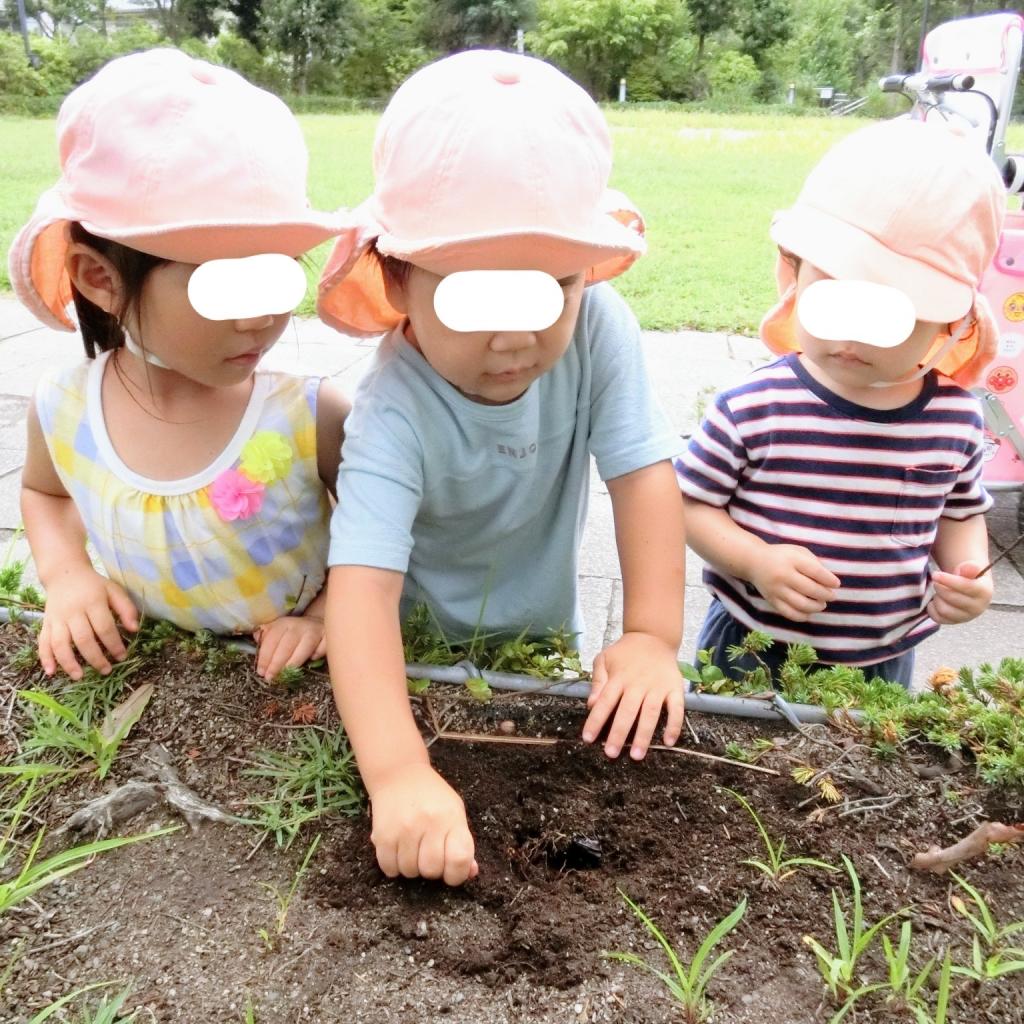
(34, 874)
(991, 956)
(290, 676)
(776, 869)
(15, 594)
(852, 939)
(60, 727)
(315, 778)
(108, 1011)
(922, 1014)
(250, 1012)
(688, 983)
(284, 900)
(709, 677)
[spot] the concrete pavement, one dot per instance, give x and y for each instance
(686, 368)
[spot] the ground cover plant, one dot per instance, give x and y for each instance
(216, 922)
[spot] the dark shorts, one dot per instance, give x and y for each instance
(721, 631)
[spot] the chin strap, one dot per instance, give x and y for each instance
(962, 328)
(137, 350)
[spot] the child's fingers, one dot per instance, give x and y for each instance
(408, 856)
(123, 608)
(430, 858)
(306, 646)
(602, 707)
(85, 641)
(63, 650)
(104, 627)
(321, 648)
(598, 677)
(271, 640)
(46, 658)
(459, 865)
(825, 578)
(627, 713)
(650, 712)
(675, 707)
(387, 856)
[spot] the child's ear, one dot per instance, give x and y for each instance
(95, 277)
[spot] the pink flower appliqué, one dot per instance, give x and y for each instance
(235, 496)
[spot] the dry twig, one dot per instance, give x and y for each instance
(550, 741)
(940, 860)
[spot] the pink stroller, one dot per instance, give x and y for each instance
(969, 70)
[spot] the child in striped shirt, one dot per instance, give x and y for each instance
(821, 488)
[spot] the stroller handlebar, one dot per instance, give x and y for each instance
(921, 82)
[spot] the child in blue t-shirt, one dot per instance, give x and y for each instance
(819, 489)
(466, 459)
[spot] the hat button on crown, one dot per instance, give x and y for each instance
(202, 74)
(506, 75)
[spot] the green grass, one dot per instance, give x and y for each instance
(706, 183)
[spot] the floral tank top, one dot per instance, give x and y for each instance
(240, 543)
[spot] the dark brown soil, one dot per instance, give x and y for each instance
(559, 830)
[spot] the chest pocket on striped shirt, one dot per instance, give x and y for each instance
(921, 500)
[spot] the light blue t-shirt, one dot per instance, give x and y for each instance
(483, 506)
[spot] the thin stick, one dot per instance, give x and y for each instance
(548, 741)
(1000, 556)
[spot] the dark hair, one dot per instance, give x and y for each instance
(792, 259)
(395, 271)
(102, 331)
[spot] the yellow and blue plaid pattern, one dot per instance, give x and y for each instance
(173, 552)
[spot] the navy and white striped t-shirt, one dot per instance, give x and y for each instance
(793, 463)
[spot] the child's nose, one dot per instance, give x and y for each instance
(511, 341)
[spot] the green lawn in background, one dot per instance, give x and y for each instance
(707, 185)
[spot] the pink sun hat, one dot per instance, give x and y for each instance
(174, 157)
(908, 204)
(484, 160)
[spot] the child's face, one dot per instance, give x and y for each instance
(490, 367)
(851, 365)
(217, 353)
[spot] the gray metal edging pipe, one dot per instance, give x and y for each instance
(773, 709)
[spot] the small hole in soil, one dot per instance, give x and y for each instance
(557, 851)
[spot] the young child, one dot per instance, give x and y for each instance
(465, 466)
(201, 482)
(819, 488)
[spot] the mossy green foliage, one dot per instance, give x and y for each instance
(978, 712)
(548, 657)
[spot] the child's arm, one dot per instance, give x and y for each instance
(961, 551)
(80, 603)
(639, 674)
(295, 639)
(788, 576)
(419, 821)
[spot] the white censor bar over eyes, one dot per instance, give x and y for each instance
(873, 314)
(498, 300)
(253, 286)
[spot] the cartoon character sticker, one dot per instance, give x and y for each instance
(1013, 307)
(1001, 379)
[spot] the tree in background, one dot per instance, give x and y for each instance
(307, 32)
(247, 20)
(183, 19)
(597, 41)
(461, 24)
(706, 18)
(388, 46)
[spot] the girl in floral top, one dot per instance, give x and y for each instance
(201, 482)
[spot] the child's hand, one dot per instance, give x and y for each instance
(291, 640)
(420, 827)
(793, 581)
(959, 596)
(637, 675)
(80, 611)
